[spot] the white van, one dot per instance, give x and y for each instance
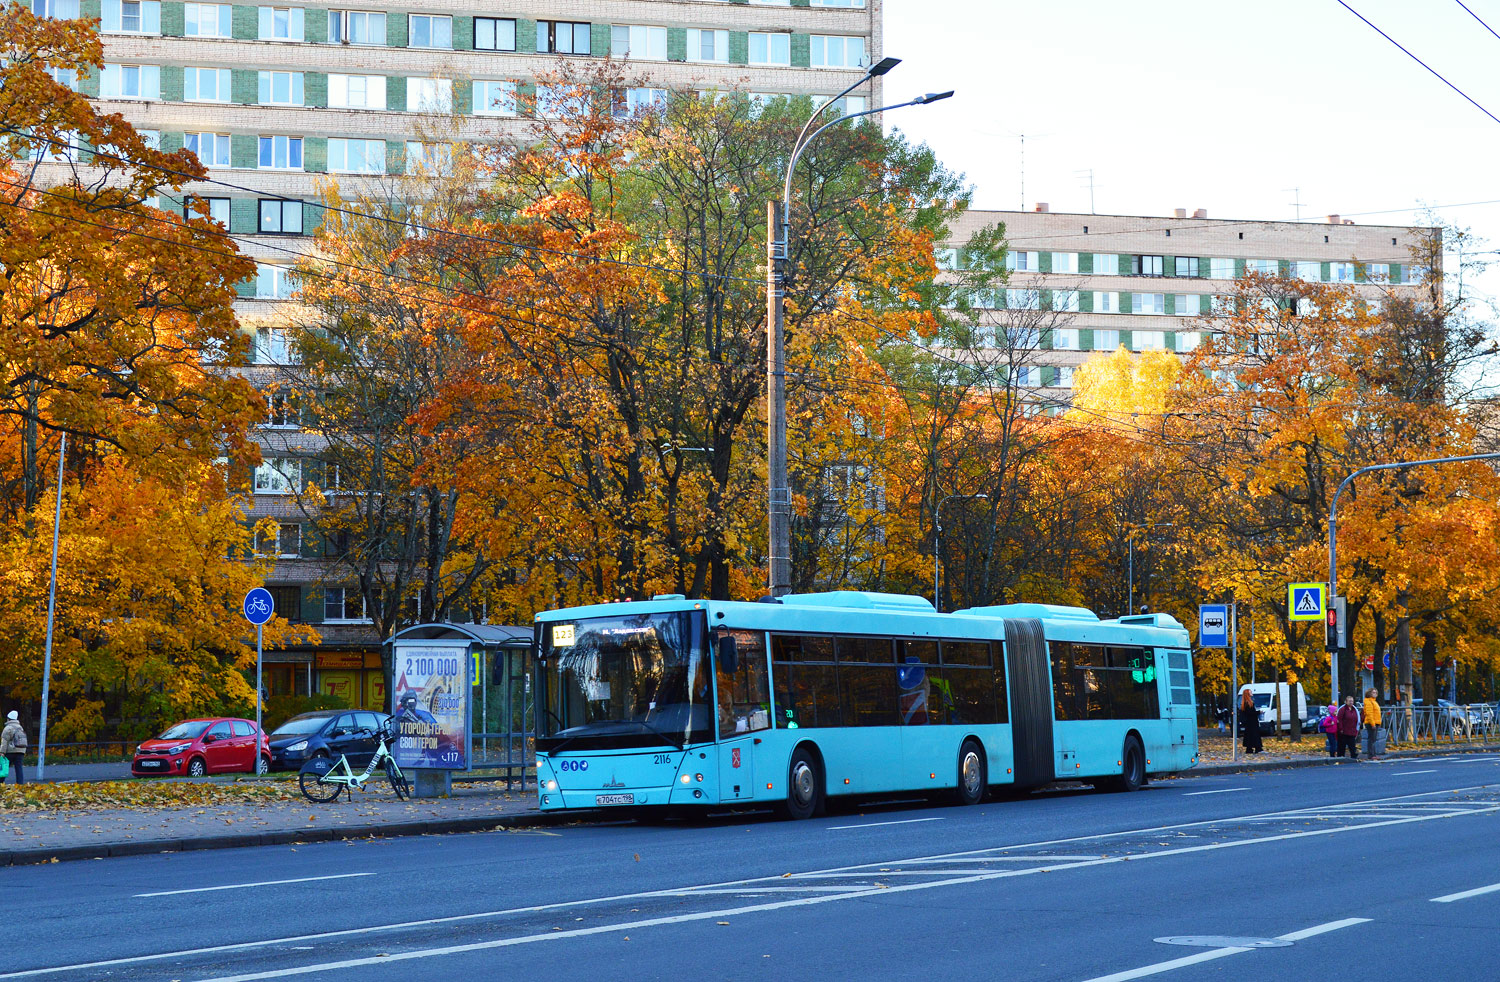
(1279, 709)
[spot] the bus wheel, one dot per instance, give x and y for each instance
(804, 787)
(971, 774)
(1132, 769)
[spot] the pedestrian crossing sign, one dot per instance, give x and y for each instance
(1305, 602)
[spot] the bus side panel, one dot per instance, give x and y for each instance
(930, 754)
(862, 760)
(1030, 691)
(1099, 743)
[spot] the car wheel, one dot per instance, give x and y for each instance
(196, 767)
(263, 765)
(804, 790)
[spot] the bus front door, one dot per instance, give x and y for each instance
(736, 775)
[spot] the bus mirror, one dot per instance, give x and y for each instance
(729, 655)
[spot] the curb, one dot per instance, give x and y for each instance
(1248, 766)
(104, 850)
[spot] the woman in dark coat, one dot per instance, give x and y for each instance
(1349, 728)
(1250, 723)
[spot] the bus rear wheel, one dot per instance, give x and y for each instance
(804, 787)
(972, 777)
(1132, 768)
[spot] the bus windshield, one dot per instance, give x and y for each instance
(635, 680)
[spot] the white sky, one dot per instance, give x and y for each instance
(1212, 104)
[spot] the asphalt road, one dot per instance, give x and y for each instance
(1375, 870)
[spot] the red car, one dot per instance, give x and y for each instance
(196, 747)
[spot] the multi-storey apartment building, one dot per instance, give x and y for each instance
(1148, 283)
(274, 98)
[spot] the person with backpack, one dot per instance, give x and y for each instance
(1372, 725)
(1330, 727)
(1348, 718)
(13, 744)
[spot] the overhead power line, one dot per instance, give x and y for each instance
(1436, 74)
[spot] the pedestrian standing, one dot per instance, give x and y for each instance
(1330, 727)
(13, 744)
(1349, 728)
(1372, 723)
(1250, 723)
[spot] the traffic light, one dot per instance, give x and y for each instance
(1337, 637)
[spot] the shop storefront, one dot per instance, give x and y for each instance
(354, 678)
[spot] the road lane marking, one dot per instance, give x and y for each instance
(246, 886)
(1465, 895)
(1430, 770)
(855, 892)
(871, 825)
(1189, 794)
(1176, 963)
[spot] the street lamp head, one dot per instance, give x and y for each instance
(882, 66)
(935, 97)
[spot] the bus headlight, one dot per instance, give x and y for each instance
(551, 785)
(686, 779)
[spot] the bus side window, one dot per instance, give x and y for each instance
(744, 701)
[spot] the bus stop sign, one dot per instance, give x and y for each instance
(1213, 625)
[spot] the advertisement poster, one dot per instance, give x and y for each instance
(430, 706)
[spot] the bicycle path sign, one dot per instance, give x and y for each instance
(1306, 601)
(259, 606)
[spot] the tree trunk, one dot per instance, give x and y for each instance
(1429, 668)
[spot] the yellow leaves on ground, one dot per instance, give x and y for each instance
(141, 795)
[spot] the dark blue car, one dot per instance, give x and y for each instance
(326, 733)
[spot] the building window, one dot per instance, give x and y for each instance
(1185, 265)
(634, 100)
(1148, 303)
(946, 257)
(282, 542)
(131, 16)
(130, 82)
(1106, 303)
(1225, 305)
(1265, 267)
(1065, 339)
(1378, 273)
(833, 51)
(207, 20)
(1341, 272)
(273, 283)
(281, 88)
(1188, 340)
(218, 209)
(853, 4)
(281, 408)
(494, 98)
(1023, 300)
(212, 148)
(286, 601)
(1309, 272)
(356, 27)
(430, 31)
(429, 95)
(770, 49)
(1221, 269)
(1062, 376)
(429, 158)
(1187, 305)
(1025, 375)
(55, 9)
(283, 217)
(707, 45)
(279, 475)
(1146, 265)
(1023, 262)
(1106, 340)
(1065, 300)
(843, 106)
(562, 37)
(1065, 262)
(205, 84)
(280, 153)
(494, 34)
(1106, 264)
(638, 42)
(1148, 340)
(356, 91)
(356, 156)
(281, 23)
(343, 604)
(558, 101)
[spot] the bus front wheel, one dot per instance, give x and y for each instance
(971, 774)
(804, 787)
(1132, 768)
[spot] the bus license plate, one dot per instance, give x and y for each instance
(614, 799)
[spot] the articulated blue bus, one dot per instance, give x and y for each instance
(813, 698)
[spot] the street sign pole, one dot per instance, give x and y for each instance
(1234, 674)
(259, 628)
(258, 606)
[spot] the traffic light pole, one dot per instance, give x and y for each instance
(1333, 556)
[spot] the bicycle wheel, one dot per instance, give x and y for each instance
(398, 780)
(314, 788)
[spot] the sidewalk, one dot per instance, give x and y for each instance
(45, 836)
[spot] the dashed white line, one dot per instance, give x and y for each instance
(871, 825)
(1465, 895)
(1189, 794)
(246, 886)
(1430, 770)
(1204, 956)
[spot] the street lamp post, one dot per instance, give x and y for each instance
(1130, 564)
(937, 541)
(778, 232)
